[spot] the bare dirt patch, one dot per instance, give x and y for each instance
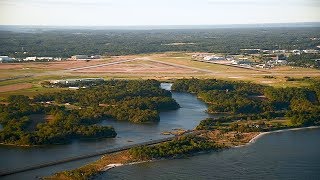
(54, 65)
(5, 66)
(64, 64)
(15, 87)
(139, 66)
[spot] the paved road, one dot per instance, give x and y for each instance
(95, 154)
(75, 158)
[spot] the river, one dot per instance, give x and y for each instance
(283, 155)
(192, 111)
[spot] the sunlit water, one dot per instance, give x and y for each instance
(285, 155)
(188, 116)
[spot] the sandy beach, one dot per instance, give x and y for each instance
(253, 140)
(278, 131)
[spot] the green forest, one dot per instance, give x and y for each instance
(134, 101)
(65, 43)
(178, 147)
(248, 101)
(305, 60)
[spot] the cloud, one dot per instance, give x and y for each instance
(56, 2)
(232, 2)
(266, 2)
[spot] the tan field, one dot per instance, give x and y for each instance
(15, 87)
(26, 77)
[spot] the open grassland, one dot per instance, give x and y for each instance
(25, 78)
(29, 91)
(261, 76)
(140, 66)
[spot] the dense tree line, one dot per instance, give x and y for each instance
(80, 84)
(65, 126)
(304, 60)
(245, 101)
(181, 146)
(225, 96)
(64, 43)
(134, 101)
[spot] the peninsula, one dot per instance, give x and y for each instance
(250, 111)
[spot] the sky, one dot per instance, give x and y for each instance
(156, 12)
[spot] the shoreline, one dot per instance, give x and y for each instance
(111, 166)
(261, 134)
(253, 140)
(124, 158)
(17, 145)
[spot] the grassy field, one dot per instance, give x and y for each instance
(280, 74)
(34, 90)
(161, 66)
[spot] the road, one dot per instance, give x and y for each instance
(85, 156)
(95, 154)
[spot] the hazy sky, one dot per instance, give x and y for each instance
(156, 12)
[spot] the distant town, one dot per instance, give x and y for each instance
(255, 58)
(7, 59)
(248, 58)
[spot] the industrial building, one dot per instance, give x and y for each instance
(85, 57)
(80, 57)
(30, 58)
(213, 58)
(75, 81)
(5, 59)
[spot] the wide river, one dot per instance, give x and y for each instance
(192, 111)
(286, 155)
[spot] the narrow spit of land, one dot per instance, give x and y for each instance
(248, 116)
(213, 140)
(86, 156)
(126, 157)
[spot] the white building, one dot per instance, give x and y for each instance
(279, 51)
(45, 58)
(57, 59)
(73, 81)
(85, 57)
(95, 57)
(311, 51)
(241, 61)
(262, 66)
(267, 51)
(281, 62)
(5, 59)
(213, 58)
(80, 57)
(229, 58)
(34, 58)
(296, 52)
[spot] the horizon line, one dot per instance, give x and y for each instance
(152, 25)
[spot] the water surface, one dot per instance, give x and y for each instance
(192, 111)
(285, 155)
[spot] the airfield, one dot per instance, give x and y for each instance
(25, 78)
